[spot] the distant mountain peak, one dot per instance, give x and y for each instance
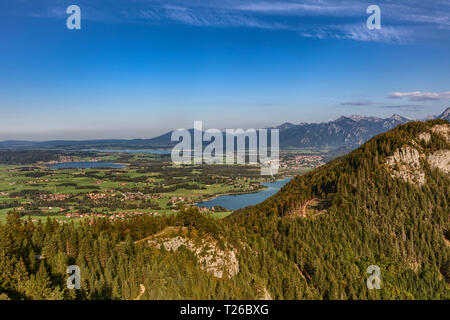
(445, 115)
(343, 118)
(398, 117)
(285, 125)
(358, 117)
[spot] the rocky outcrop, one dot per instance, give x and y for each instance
(443, 130)
(440, 160)
(425, 136)
(406, 162)
(211, 258)
(407, 156)
(265, 294)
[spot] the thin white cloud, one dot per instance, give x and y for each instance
(359, 32)
(402, 22)
(207, 18)
(357, 103)
(304, 8)
(404, 107)
(420, 96)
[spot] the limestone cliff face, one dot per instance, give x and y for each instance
(440, 160)
(407, 162)
(443, 130)
(211, 258)
(425, 136)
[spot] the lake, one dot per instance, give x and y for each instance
(87, 165)
(133, 151)
(238, 201)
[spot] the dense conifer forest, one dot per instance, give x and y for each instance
(312, 240)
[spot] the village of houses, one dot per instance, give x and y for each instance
(112, 215)
(102, 199)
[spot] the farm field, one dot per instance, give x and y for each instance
(148, 185)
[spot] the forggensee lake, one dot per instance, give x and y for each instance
(132, 151)
(238, 201)
(86, 165)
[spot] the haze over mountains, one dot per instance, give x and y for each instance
(386, 204)
(346, 131)
(351, 131)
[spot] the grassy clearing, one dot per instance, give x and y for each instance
(220, 215)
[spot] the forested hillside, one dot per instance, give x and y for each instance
(354, 212)
(384, 204)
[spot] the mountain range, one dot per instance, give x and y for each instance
(344, 132)
(373, 224)
(351, 131)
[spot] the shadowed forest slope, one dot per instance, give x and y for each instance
(369, 209)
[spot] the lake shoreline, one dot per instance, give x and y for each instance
(87, 165)
(235, 193)
(247, 198)
(263, 187)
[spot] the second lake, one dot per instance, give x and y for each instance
(238, 201)
(86, 165)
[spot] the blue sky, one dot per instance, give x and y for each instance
(139, 68)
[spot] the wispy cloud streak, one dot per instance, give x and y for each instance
(404, 21)
(357, 103)
(404, 107)
(420, 96)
